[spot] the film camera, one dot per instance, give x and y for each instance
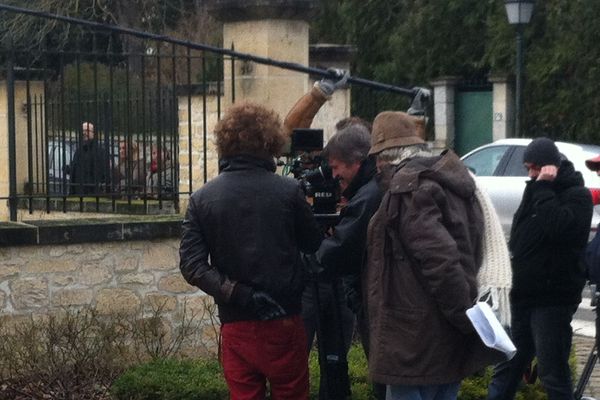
(308, 166)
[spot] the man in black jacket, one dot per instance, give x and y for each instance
(341, 254)
(549, 232)
(242, 237)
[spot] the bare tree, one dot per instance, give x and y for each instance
(157, 16)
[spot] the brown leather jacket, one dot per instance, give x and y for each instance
(423, 257)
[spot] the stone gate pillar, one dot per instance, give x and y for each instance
(503, 108)
(443, 112)
(276, 29)
(36, 90)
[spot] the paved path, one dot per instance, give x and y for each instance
(583, 346)
(583, 320)
(584, 331)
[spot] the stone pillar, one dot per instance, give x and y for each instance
(276, 29)
(325, 56)
(503, 104)
(36, 88)
(443, 112)
(192, 159)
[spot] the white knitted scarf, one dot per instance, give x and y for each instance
(495, 275)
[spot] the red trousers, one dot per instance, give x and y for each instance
(254, 352)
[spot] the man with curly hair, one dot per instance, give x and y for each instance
(242, 237)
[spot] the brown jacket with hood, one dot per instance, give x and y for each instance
(424, 251)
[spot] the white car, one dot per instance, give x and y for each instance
(499, 169)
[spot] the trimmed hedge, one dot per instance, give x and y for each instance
(171, 379)
(203, 380)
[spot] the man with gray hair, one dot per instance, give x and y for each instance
(341, 255)
(424, 251)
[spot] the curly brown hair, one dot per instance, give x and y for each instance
(249, 128)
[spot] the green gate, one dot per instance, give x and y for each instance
(472, 120)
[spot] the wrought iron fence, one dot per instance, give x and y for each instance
(127, 87)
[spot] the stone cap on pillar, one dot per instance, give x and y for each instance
(501, 78)
(247, 10)
(325, 56)
(450, 80)
(325, 53)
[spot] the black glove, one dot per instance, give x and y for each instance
(331, 84)
(265, 307)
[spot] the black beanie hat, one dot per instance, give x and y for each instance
(542, 151)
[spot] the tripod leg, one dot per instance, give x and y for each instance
(586, 373)
(323, 381)
(339, 366)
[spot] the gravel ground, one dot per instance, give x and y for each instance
(583, 346)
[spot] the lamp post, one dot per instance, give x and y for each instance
(519, 14)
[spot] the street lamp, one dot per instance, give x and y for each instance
(519, 14)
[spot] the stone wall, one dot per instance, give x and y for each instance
(110, 276)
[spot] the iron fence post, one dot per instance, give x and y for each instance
(12, 136)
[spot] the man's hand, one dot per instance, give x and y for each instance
(331, 84)
(548, 173)
(265, 307)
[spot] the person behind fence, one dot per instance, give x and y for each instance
(242, 237)
(129, 175)
(424, 252)
(160, 172)
(89, 169)
(548, 235)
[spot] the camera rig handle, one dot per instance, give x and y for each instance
(420, 96)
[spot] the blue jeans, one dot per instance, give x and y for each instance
(426, 392)
(544, 332)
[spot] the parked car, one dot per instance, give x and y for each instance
(60, 154)
(499, 169)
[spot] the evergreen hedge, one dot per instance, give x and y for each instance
(202, 379)
(412, 42)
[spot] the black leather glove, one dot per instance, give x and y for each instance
(265, 307)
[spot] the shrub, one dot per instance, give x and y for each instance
(78, 353)
(475, 388)
(172, 379)
(203, 379)
(72, 355)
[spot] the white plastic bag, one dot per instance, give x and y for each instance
(490, 330)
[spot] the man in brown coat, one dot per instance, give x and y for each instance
(424, 251)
